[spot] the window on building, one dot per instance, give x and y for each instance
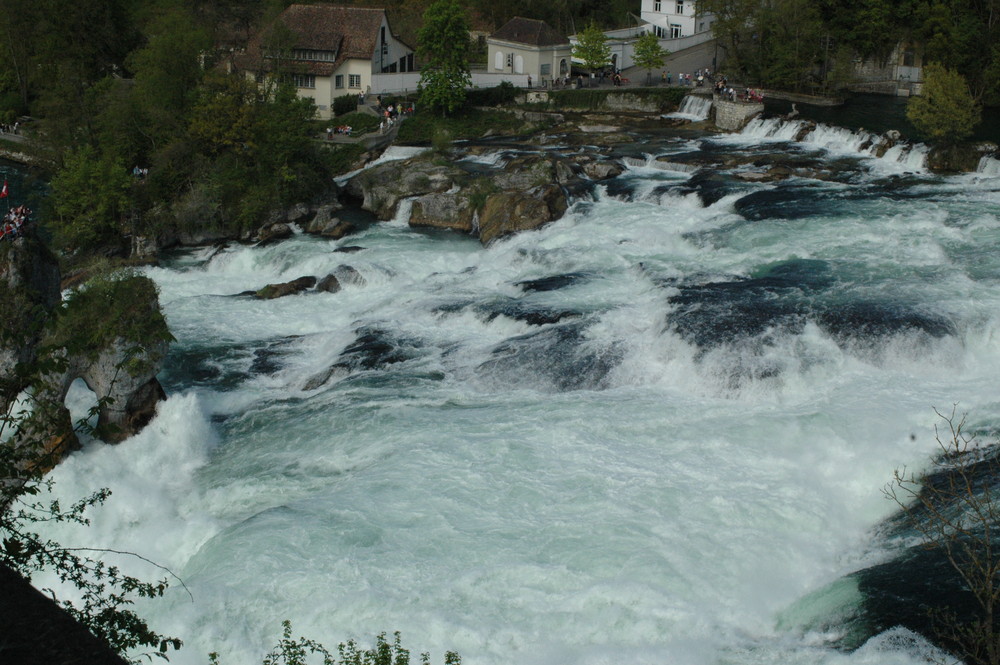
(675, 30)
(545, 70)
(304, 80)
(354, 81)
(680, 6)
(308, 54)
(657, 6)
(659, 31)
(563, 67)
(339, 81)
(498, 61)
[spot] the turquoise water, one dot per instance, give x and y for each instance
(667, 469)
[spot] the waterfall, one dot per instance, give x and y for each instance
(988, 165)
(651, 162)
(694, 108)
(912, 156)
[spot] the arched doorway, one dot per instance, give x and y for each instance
(563, 67)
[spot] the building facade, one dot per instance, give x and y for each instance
(673, 19)
(529, 47)
(327, 51)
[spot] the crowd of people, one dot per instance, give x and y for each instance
(13, 222)
(725, 91)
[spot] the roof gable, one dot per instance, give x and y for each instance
(352, 31)
(529, 31)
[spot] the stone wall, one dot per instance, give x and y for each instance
(733, 116)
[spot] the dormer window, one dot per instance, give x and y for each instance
(313, 55)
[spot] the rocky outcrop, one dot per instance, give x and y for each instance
(515, 211)
(382, 187)
(38, 631)
(272, 291)
(526, 192)
(953, 158)
(29, 290)
(110, 333)
(444, 211)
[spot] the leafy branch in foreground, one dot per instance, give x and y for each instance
(956, 510)
(106, 592)
(291, 651)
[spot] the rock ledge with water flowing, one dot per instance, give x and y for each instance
(110, 333)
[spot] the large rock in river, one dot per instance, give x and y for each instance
(382, 187)
(510, 212)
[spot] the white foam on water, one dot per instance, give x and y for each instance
(671, 516)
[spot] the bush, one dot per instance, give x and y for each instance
(505, 93)
(360, 123)
(290, 651)
(345, 104)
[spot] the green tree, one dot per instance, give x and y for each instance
(167, 74)
(444, 45)
(790, 43)
(90, 198)
(592, 48)
(945, 110)
(649, 54)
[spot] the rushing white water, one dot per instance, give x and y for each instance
(654, 479)
(693, 107)
(988, 165)
(912, 157)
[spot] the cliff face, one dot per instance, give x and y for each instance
(29, 291)
(109, 332)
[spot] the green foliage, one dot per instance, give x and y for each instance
(345, 104)
(648, 53)
(90, 197)
(505, 93)
(106, 591)
(945, 111)
(291, 651)
(465, 124)
(360, 123)
(121, 305)
(444, 44)
(342, 158)
(167, 73)
(592, 48)
(480, 190)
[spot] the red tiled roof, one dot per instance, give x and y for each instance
(350, 32)
(529, 31)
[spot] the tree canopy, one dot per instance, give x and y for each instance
(648, 53)
(945, 110)
(592, 48)
(444, 43)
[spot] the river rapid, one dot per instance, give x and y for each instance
(653, 432)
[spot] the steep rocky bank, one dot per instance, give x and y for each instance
(109, 332)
